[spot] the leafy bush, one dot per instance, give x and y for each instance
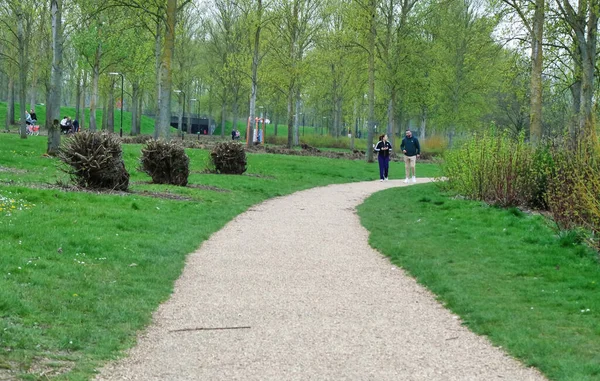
(228, 157)
(95, 160)
(573, 195)
(165, 162)
(431, 147)
(494, 168)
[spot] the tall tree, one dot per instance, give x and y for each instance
(56, 77)
(583, 22)
(535, 27)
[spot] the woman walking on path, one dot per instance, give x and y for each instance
(383, 149)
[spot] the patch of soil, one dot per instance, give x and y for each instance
(195, 186)
(44, 368)
(11, 170)
(40, 367)
(74, 188)
(208, 187)
(259, 176)
(167, 196)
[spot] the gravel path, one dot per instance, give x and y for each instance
(291, 290)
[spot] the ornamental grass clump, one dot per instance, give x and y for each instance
(165, 162)
(228, 158)
(95, 160)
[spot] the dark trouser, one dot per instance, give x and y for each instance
(384, 166)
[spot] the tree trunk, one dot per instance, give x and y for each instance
(103, 124)
(110, 106)
(48, 95)
(10, 108)
(78, 96)
(33, 93)
(255, 59)
(290, 117)
(94, 99)
(234, 112)
(166, 72)
(588, 58)
(179, 117)
(157, 66)
(135, 94)
(53, 111)
(81, 101)
(372, 38)
(276, 123)
(391, 127)
(535, 126)
(297, 118)
(11, 102)
(138, 124)
(338, 116)
(223, 115)
(189, 117)
(23, 68)
(423, 123)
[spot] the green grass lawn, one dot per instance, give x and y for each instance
(507, 274)
(81, 273)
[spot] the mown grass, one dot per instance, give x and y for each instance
(506, 273)
(81, 273)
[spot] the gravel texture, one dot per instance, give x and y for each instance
(291, 290)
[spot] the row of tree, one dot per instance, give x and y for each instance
(439, 66)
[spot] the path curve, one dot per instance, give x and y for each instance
(319, 302)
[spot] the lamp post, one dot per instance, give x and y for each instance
(122, 101)
(183, 118)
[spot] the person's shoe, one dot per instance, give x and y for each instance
(380, 179)
(386, 179)
(406, 180)
(414, 179)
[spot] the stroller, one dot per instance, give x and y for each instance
(33, 129)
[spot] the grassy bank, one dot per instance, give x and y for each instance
(507, 274)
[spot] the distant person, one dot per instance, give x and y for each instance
(233, 134)
(33, 116)
(64, 125)
(75, 125)
(383, 149)
(412, 150)
(28, 120)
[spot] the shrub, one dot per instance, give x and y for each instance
(228, 157)
(492, 167)
(432, 146)
(165, 162)
(573, 195)
(95, 160)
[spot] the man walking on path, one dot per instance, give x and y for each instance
(412, 150)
